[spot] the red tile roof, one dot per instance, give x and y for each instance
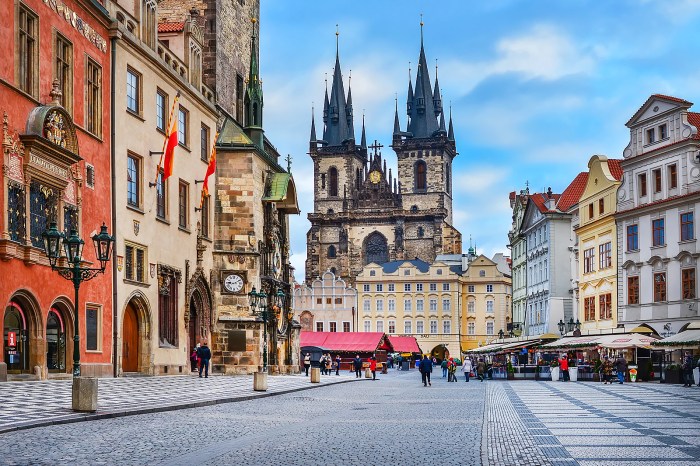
(171, 27)
(405, 344)
(675, 99)
(572, 193)
(615, 168)
(694, 119)
(540, 201)
(363, 342)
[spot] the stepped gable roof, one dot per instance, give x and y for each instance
(615, 168)
(393, 266)
(572, 193)
(178, 26)
(540, 201)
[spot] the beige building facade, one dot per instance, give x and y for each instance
(164, 303)
(327, 304)
(486, 295)
(412, 298)
(597, 246)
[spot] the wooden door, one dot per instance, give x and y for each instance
(130, 341)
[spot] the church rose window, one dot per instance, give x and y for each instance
(376, 249)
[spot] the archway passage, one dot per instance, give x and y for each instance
(55, 342)
(440, 352)
(16, 339)
(130, 340)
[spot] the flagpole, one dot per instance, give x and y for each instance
(167, 135)
(205, 186)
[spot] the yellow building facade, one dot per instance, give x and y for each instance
(486, 295)
(597, 246)
(412, 298)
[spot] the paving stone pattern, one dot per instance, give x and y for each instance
(391, 421)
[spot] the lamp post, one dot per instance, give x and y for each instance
(258, 307)
(73, 248)
(561, 326)
(500, 334)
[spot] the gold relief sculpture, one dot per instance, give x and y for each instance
(54, 129)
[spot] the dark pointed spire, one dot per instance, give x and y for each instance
(363, 140)
(437, 99)
(442, 123)
(337, 129)
(397, 126)
(422, 111)
(312, 138)
(451, 131)
(348, 108)
(325, 103)
(409, 98)
(253, 102)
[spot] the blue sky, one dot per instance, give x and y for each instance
(536, 87)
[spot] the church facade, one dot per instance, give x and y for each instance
(363, 213)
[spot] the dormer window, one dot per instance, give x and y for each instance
(651, 136)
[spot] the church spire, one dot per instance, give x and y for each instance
(437, 99)
(397, 126)
(253, 103)
(451, 131)
(422, 109)
(312, 138)
(325, 103)
(363, 140)
(409, 98)
(339, 125)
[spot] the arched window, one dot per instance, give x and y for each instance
(331, 252)
(420, 174)
(375, 249)
(333, 182)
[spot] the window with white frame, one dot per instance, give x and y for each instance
(433, 326)
(471, 307)
(365, 287)
(445, 287)
(380, 306)
(489, 306)
(471, 328)
(489, 288)
(391, 305)
(346, 327)
(419, 305)
(380, 287)
(445, 305)
(419, 287)
(446, 327)
(407, 305)
(391, 287)
(365, 305)
(489, 328)
(407, 287)
(471, 288)
(392, 326)
(380, 326)
(433, 305)
(407, 326)
(433, 287)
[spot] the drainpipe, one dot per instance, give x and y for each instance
(115, 323)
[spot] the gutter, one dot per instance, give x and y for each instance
(115, 323)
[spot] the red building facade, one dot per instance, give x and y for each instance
(55, 108)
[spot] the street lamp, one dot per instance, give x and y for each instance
(561, 326)
(73, 248)
(570, 325)
(258, 307)
(500, 334)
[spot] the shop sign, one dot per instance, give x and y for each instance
(12, 339)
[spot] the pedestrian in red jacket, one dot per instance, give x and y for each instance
(564, 366)
(373, 367)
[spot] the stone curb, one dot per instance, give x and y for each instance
(73, 418)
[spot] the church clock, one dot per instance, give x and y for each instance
(375, 176)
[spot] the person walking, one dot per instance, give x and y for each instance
(467, 368)
(451, 370)
(606, 371)
(373, 367)
(337, 364)
(426, 368)
(194, 360)
(688, 370)
(307, 363)
(480, 369)
(564, 367)
(357, 365)
(204, 355)
(329, 364)
(443, 364)
(621, 368)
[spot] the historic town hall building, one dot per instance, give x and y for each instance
(362, 214)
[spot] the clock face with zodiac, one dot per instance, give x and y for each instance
(233, 283)
(281, 317)
(375, 176)
(276, 258)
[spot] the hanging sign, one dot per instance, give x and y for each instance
(11, 339)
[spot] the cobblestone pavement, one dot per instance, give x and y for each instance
(393, 421)
(29, 404)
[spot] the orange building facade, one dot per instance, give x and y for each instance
(55, 109)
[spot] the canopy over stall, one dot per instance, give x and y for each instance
(682, 340)
(405, 345)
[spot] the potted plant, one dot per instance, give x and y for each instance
(573, 370)
(510, 371)
(554, 370)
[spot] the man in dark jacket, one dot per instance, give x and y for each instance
(621, 368)
(357, 365)
(204, 355)
(425, 367)
(688, 370)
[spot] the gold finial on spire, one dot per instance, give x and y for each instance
(253, 20)
(337, 33)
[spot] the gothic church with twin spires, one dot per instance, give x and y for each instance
(362, 212)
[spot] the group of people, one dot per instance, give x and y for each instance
(327, 364)
(606, 370)
(449, 369)
(199, 358)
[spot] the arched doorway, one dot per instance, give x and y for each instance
(16, 339)
(440, 352)
(55, 342)
(194, 330)
(130, 340)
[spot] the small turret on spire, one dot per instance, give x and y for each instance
(437, 99)
(363, 139)
(312, 138)
(409, 98)
(451, 131)
(397, 126)
(325, 103)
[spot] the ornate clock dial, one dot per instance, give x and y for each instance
(233, 283)
(276, 259)
(281, 320)
(375, 176)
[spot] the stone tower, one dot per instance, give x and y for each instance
(362, 214)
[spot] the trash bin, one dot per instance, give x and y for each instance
(405, 365)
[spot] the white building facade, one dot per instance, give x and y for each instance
(327, 305)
